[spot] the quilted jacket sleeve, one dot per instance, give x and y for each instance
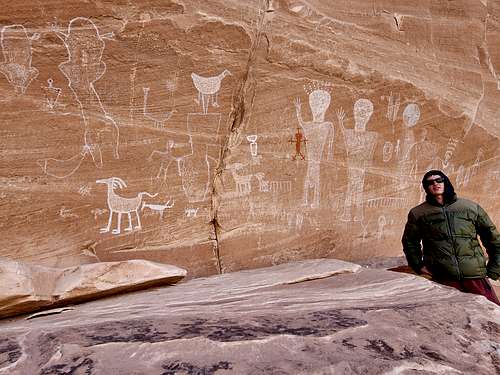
(411, 244)
(490, 237)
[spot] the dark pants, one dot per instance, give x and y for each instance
(475, 286)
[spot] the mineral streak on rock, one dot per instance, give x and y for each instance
(262, 131)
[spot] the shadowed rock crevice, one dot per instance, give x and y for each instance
(242, 106)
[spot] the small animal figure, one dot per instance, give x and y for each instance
(158, 207)
(208, 88)
(121, 205)
(191, 212)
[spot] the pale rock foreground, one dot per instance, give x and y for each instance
(311, 317)
(26, 288)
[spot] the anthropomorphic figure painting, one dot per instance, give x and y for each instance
(16, 48)
(406, 163)
(52, 94)
(316, 133)
(84, 67)
(360, 145)
(298, 140)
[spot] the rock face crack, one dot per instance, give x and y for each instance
(242, 105)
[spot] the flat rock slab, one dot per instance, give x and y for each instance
(27, 288)
(279, 320)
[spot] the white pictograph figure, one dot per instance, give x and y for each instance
(448, 155)
(411, 115)
(316, 133)
(387, 151)
(360, 145)
(252, 139)
(244, 182)
(85, 190)
(407, 173)
(170, 155)
(51, 94)
(121, 205)
(299, 221)
(477, 162)
(84, 67)
(282, 186)
(461, 178)
(158, 207)
(423, 155)
(492, 183)
(16, 48)
(159, 119)
(197, 169)
(393, 109)
(381, 223)
(464, 175)
(208, 89)
(191, 212)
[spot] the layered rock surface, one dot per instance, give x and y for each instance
(311, 317)
(28, 288)
(223, 135)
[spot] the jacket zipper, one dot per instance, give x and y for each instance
(448, 226)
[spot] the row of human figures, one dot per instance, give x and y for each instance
(359, 144)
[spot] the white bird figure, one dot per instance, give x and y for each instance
(208, 88)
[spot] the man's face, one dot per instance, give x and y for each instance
(435, 184)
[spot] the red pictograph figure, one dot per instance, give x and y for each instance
(299, 139)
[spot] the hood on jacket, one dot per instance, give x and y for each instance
(449, 191)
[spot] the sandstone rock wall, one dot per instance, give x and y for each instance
(224, 135)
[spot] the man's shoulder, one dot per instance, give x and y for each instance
(466, 203)
(420, 209)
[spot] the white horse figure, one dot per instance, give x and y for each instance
(121, 205)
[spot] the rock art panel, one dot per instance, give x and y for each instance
(85, 47)
(204, 105)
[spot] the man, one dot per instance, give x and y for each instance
(440, 239)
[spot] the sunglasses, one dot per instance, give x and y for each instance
(439, 180)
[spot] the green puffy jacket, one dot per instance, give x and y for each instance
(445, 240)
